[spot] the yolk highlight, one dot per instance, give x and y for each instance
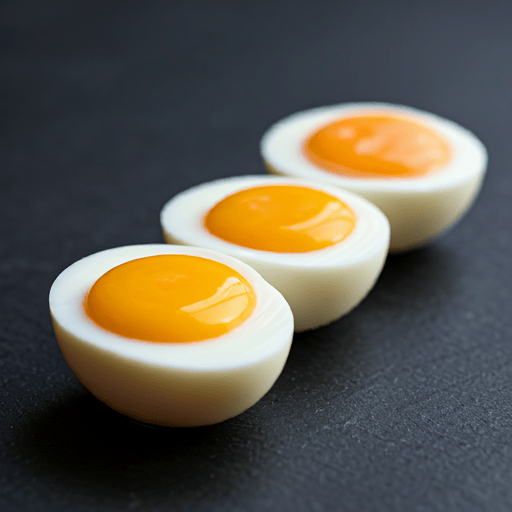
(281, 218)
(170, 298)
(378, 146)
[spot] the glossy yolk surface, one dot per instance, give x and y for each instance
(378, 146)
(170, 298)
(281, 218)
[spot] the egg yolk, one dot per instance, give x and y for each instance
(378, 146)
(170, 298)
(281, 218)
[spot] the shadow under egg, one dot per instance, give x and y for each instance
(78, 446)
(419, 274)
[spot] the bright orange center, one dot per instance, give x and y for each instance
(378, 146)
(281, 218)
(170, 298)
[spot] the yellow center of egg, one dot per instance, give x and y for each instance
(281, 218)
(170, 298)
(378, 146)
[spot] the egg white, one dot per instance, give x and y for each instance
(418, 209)
(172, 384)
(320, 286)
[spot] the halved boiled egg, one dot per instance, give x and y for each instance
(174, 336)
(421, 170)
(321, 247)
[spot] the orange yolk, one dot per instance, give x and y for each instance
(378, 146)
(170, 298)
(281, 218)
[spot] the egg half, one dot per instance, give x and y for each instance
(421, 170)
(173, 336)
(321, 247)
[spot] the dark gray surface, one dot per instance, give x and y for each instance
(109, 109)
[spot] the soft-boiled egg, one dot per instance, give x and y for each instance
(321, 247)
(174, 336)
(421, 170)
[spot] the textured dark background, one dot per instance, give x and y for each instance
(110, 108)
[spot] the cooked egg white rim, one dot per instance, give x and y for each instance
(183, 218)
(282, 148)
(265, 333)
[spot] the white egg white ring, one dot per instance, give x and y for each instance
(266, 332)
(282, 148)
(183, 216)
(320, 285)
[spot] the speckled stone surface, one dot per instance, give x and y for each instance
(108, 110)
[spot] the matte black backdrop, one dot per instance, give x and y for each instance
(111, 108)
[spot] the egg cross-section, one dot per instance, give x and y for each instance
(421, 170)
(174, 336)
(321, 247)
